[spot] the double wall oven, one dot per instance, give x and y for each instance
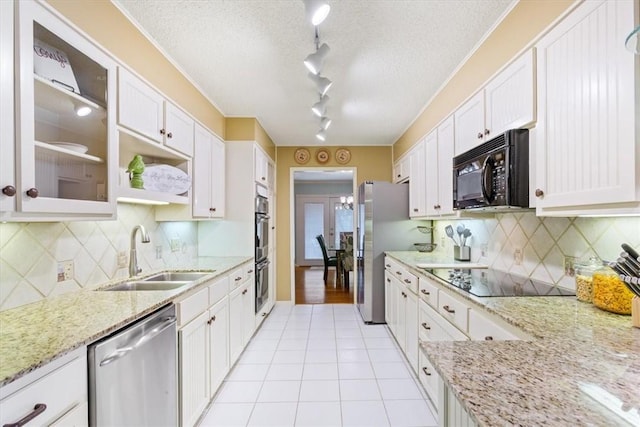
(262, 247)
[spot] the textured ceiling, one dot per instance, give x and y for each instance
(387, 59)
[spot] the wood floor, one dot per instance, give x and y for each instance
(310, 288)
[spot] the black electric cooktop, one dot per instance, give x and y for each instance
(494, 283)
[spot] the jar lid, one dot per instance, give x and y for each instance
(589, 265)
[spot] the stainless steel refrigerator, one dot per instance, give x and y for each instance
(384, 225)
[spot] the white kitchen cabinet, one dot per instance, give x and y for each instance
(411, 328)
(483, 328)
(7, 136)
(263, 168)
(444, 202)
(242, 320)
(145, 111)
(60, 385)
(587, 161)
(505, 102)
(417, 181)
(428, 377)
(236, 306)
(193, 369)
(218, 344)
(401, 169)
(208, 175)
(46, 105)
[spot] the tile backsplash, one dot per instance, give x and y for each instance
(30, 252)
(543, 242)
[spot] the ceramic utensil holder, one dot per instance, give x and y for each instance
(635, 311)
(462, 253)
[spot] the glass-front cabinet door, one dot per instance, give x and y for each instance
(66, 138)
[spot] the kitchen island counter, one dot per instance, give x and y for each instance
(581, 368)
(35, 334)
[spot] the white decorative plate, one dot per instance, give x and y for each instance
(165, 179)
(78, 148)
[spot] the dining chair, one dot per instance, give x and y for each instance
(328, 261)
(346, 243)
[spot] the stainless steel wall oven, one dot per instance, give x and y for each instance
(262, 248)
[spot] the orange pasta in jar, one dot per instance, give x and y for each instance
(610, 293)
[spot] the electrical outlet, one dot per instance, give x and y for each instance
(159, 252)
(442, 242)
(517, 256)
(484, 249)
(65, 271)
(122, 259)
(175, 244)
(569, 262)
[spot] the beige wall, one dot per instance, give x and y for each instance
(372, 163)
(103, 22)
(249, 129)
(523, 24)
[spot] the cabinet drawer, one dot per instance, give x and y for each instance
(428, 378)
(433, 327)
(482, 328)
(218, 290)
(453, 310)
(62, 390)
(190, 307)
(249, 271)
(410, 281)
(237, 277)
(428, 292)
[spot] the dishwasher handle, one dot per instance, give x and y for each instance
(123, 351)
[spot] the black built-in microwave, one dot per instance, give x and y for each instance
(493, 175)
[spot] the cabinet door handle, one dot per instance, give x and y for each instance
(479, 135)
(263, 178)
(37, 410)
(388, 280)
(425, 292)
(539, 192)
(407, 281)
(415, 209)
(426, 371)
(250, 271)
(398, 176)
(487, 131)
(488, 338)
(169, 135)
(244, 292)
(162, 131)
(212, 209)
(9, 190)
(32, 192)
(448, 309)
(238, 278)
(388, 265)
(427, 327)
(398, 272)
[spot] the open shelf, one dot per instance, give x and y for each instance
(151, 196)
(52, 91)
(66, 153)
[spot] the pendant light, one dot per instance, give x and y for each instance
(316, 11)
(314, 61)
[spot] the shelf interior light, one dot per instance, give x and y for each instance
(83, 110)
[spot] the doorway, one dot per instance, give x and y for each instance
(321, 204)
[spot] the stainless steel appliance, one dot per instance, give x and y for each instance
(493, 175)
(262, 248)
(133, 374)
(262, 283)
(494, 283)
(384, 225)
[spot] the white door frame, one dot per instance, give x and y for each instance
(292, 223)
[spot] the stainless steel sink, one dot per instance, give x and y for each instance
(170, 276)
(147, 285)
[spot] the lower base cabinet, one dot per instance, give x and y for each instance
(218, 344)
(242, 319)
(192, 351)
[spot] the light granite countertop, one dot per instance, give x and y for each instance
(37, 333)
(582, 367)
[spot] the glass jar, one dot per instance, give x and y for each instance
(584, 278)
(610, 293)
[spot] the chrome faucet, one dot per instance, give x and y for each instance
(134, 270)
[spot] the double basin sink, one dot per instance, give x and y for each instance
(160, 282)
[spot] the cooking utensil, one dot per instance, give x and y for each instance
(623, 273)
(460, 229)
(628, 249)
(449, 230)
(630, 261)
(466, 234)
(632, 283)
(628, 266)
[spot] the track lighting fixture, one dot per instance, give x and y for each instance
(322, 83)
(325, 122)
(316, 10)
(320, 107)
(321, 135)
(314, 61)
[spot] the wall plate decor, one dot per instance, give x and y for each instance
(343, 156)
(301, 156)
(322, 155)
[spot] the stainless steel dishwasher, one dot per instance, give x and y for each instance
(133, 374)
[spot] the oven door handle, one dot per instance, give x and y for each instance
(485, 183)
(262, 218)
(263, 264)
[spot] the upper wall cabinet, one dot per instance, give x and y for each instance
(588, 159)
(506, 102)
(439, 167)
(7, 136)
(65, 132)
(145, 111)
(401, 169)
(208, 176)
(264, 168)
(417, 180)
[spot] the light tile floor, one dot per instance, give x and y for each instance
(320, 365)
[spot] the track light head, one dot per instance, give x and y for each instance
(322, 83)
(321, 135)
(314, 61)
(316, 11)
(320, 107)
(325, 122)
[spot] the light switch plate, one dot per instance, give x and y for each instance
(65, 270)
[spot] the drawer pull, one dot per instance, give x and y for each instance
(388, 280)
(388, 265)
(264, 314)
(238, 278)
(488, 338)
(37, 410)
(250, 271)
(407, 281)
(244, 292)
(448, 309)
(424, 325)
(425, 292)
(426, 371)
(213, 319)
